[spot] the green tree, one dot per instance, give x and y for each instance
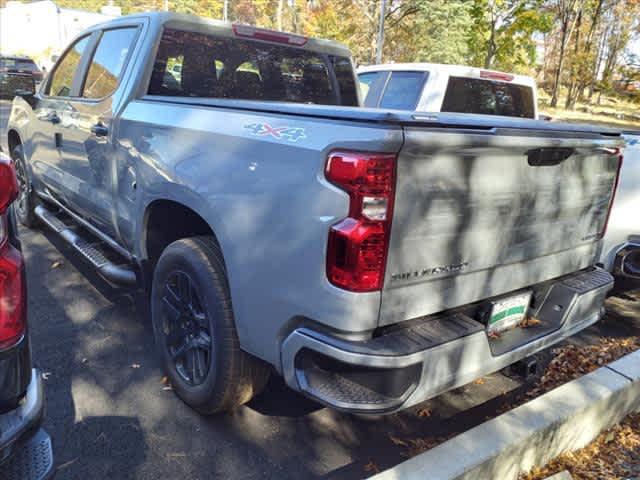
(502, 31)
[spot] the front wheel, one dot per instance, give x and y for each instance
(27, 200)
(195, 331)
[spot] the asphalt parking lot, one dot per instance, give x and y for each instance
(111, 416)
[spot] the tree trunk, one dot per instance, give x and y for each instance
(556, 79)
(596, 68)
(570, 103)
(588, 47)
(491, 47)
(279, 14)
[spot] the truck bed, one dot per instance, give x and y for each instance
(473, 218)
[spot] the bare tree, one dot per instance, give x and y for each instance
(565, 10)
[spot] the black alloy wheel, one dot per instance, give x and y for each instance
(186, 328)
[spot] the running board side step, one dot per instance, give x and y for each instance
(92, 252)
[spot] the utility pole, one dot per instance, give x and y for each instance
(383, 10)
(225, 11)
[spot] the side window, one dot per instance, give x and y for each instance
(62, 77)
(108, 62)
(403, 90)
(371, 84)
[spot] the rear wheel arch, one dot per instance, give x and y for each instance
(166, 221)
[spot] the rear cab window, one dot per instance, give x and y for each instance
(488, 97)
(213, 66)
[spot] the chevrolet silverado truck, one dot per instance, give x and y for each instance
(25, 447)
(373, 258)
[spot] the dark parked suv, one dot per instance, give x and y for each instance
(17, 73)
(20, 65)
(25, 449)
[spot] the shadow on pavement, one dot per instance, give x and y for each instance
(111, 417)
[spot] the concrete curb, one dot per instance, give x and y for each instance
(564, 419)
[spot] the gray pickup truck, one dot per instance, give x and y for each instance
(373, 258)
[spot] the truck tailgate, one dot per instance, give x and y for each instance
(479, 213)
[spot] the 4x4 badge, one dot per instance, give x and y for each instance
(292, 134)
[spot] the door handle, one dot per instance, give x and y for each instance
(53, 118)
(99, 130)
(547, 157)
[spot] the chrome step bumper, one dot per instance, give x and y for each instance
(410, 365)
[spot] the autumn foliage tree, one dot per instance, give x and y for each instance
(585, 42)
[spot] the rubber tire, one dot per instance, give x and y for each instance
(234, 376)
(27, 218)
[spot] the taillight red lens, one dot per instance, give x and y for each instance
(8, 183)
(613, 193)
(358, 245)
(12, 295)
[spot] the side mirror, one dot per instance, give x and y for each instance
(28, 93)
(24, 93)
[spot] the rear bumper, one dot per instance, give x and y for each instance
(25, 449)
(435, 354)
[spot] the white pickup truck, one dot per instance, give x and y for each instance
(430, 87)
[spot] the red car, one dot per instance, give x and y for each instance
(25, 448)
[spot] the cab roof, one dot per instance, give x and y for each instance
(451, 70)
(232, 30)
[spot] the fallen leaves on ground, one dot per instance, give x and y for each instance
(167, 384)
(529, 322)
(424, 412)
(613, 454)
(371, 467)
(572, 361)
(414, 446)
(569, 362)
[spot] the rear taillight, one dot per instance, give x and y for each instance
(618, 152)
(358, 245)
(12, 286)
(12, 295)
(8, 183)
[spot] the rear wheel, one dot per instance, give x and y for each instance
(195, 330)
(27, 200)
